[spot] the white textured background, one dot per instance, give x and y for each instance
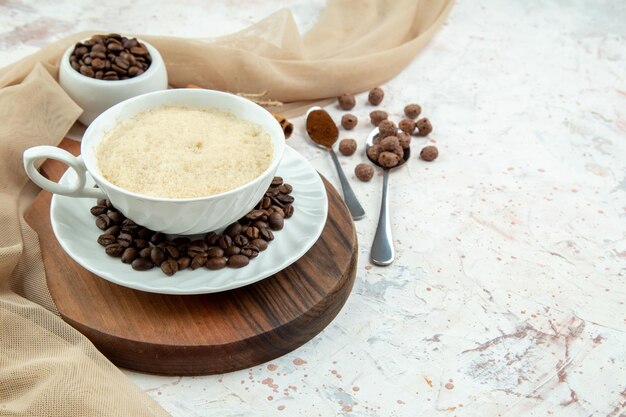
(507, 295)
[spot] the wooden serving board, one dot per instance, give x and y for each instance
(209, 333)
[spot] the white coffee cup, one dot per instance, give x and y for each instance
(168, 215)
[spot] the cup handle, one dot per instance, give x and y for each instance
(77, 189)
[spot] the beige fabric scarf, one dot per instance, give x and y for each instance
(46, 367)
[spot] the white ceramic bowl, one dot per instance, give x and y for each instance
(95, 96)
(168, 215)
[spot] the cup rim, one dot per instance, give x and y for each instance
(99, 178)
(157, 61)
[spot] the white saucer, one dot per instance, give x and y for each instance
(75, 229)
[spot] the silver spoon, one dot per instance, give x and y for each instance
(355, 208)
(382, 248)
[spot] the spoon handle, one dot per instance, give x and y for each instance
(382, 249)
(356, 210)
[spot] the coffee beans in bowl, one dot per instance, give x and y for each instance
(110, 57)
(239, 243)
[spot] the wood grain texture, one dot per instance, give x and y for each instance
(209, 333)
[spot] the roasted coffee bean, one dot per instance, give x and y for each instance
(129, 255)
(276, 221)
(276, 209)
(144, 233)
(113, 230)
(103, 222)
(98, 48)
(115, 47)
(111, 77)
(139, 51)
(76, 66)
(285, 198)
(233, 229)
(285, 188)
(194, 250)
(183, 262)
(216, 263)
(145, 252)
(129, 223)
(80, 50)
(199, 260)
(141, 244)
(252, 232)
(212, 238)
(169, 267)
(106, 239)
(172, 252)
(215, 252)
(157, 256)
(131, 230)
(266, 202)
(259, 224)
(164, 244)
(87, 71)
(232, 250)
(119, 70)
(238, 261)
(98, 210)
(277, 181)
(122, 63)
(157, 238)
(102, 202)
(129, 43)
(260, 244)
(134, 71)
(266, 234)
(200, 243)
(116, 217)
(256, 214)
(181, 241)
(224, 241)
(125, 240)
(240, 240)
(272, 192)
(250, 251)
(288, 210)
(114, 249)
(142, 264)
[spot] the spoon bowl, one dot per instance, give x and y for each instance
(382, 252)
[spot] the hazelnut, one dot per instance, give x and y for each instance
(412, 110)
(429, 153)
(387, 128)
(364, 172)
(378, 116)
(407, 125)
(347, 147)
(376, 96)
(346, 101)
(423, 127)
(388, 159)
(348, 121)
(405, 140)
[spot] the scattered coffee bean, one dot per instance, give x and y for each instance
(217, 263)
(141, 243)
(260, 244)
(183, 262)
(106, 239)
(276, 221)
(114, 249)
(199, 260)
(145, 252)
(424, 127)
(215, 252)
(169, 267)
(346, 101)
(238, 261)
(125, 239)
(157, 238)
(412, 110)
(121, 58)
(277, 181)
(376, 96)
(142, 264)
(157, 256)
(103, 222)
(250, 251)
(172, 252)
(98, 210)
(233, 229)
(349, 121)
(232, 250)
(285, 188)
(364, 172)
(429, 153)
(347, 147)
(129, 255)
(378, 116)
(289, 210)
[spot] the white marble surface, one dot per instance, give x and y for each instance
(507, 295)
